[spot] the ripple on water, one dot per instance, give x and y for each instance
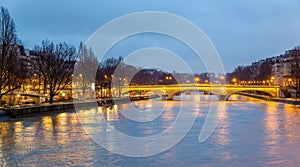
(249, 133)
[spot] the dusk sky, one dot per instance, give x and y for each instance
(242, 31)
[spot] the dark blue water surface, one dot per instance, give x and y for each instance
(250, 133)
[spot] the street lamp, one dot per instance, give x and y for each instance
(197, 79)
(234, 80)
(222, 78)
(272, 81)
(290, 81)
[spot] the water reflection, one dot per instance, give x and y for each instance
(255, 133)
(282, 129)
(222, 130)
(112, 113)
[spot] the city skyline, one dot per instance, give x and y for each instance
(242, 32)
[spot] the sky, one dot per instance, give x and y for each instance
(241, 31)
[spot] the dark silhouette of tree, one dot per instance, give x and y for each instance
(264, 71)
(12, 72)
(55, 64)
(105, 72)
(259, 72)
(242, 73)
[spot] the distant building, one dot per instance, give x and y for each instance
(285, 68)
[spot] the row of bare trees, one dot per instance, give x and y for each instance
(52, 63)
(12, 70)
(255, 72)
(55, 64)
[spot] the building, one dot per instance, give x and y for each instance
(286, 71)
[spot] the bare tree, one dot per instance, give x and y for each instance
(86, 68)
(11, 68)
(242, 73)
(105, 72)
(55, 64)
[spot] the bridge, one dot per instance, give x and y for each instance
(223, 92)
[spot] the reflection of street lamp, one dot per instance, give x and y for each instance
(93, 87)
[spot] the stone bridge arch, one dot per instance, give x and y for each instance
(223, 92)
(172, 94)
(272, 92)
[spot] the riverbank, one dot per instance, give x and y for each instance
(14, 112)
(295, 102)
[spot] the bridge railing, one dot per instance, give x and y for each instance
(204, 85)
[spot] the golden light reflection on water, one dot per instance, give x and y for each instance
(30, 139)
(272, 126)
(18, 127)
(47, 125)
(292, 114)
(61, 127)
(60, 138)
(168, 114)
(144, 105)
(282, 128)
(18, 139)
(224, 126)
(112, 113)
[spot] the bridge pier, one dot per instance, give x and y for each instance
(165, 97)
(222, 98)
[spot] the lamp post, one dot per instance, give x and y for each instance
(222, 78)
(197, 79)
(289, 81)
(272, 80)
(234, 80)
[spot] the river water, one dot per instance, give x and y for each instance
(250, 133)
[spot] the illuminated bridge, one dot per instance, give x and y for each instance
(223, 92)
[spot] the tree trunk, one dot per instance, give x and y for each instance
(51, 98)
(45, 86)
